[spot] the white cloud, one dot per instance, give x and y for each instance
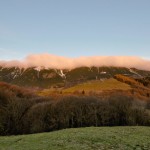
(59, 62)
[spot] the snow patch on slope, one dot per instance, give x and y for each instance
(1, 69)
(103, 72)
(60, 73)
(134, 72)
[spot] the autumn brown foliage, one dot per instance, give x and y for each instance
(23, 113)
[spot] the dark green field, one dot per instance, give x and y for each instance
(91, 138)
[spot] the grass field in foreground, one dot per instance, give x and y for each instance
(97, 85)
(91, 138)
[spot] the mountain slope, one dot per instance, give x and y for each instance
(41, 77)
(98, 86)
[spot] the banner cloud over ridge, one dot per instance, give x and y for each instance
(60, 62)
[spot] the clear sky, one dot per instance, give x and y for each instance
(74, 28)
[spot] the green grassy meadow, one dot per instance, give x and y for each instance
(90, 138)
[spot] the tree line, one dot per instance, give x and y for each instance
(24, 113)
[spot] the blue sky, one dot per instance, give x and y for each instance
(74, 28)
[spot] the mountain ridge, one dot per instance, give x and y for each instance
(43, 77)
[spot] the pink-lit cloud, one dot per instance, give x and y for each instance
(59, 62)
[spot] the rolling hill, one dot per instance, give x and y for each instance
(89, 87)
(114, 138)
(98, 86)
